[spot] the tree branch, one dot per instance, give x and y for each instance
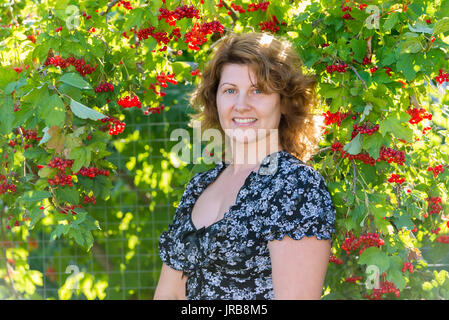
(110, 5)
(358, 76)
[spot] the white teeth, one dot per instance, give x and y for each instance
(247, 120)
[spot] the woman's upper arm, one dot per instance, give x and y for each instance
(299, 267)
(171, 285)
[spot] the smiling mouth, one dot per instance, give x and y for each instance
(244, 120)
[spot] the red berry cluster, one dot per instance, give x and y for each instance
(180, 12)
(127, 102)
(363, 242)
(364, 157)
(373, 69)
(161, 37)
(5, 186)
(417, 115)
(60, 164)
(366, 61)
(443, 239)
(425, 129)
(92, 172)
(16, 224)
(353, 279)
(32, 38)
(159, 93)
(436, 170)
(80, 65)
(396, 178)
(335, 260)
(237, 8)
(364, 129)
(196, 36)
(125, 4)
(155, 110)
(407, 266)
(104, 87)
(196, 72)
(272, 25)
(29, 134)
(391, 155)
(88, 199)
(347, 15)
(61, 177)
(436, 231)
(387, 71)
(115, 126)
(337, 117)
(86, 16)
(162, 78)
(58, 29)
(67, 209)
(336, 67)
(434, 206)
(442, 77)
(385, 288)
(262, 6)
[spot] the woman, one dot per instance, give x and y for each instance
(261, 229)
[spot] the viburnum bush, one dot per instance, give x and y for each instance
(76, 74)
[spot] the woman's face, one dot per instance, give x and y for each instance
(239, 101)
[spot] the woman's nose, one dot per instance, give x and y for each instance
(241, 102)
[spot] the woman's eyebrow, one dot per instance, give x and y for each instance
(232, 84)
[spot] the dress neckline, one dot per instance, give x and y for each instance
(219, 168)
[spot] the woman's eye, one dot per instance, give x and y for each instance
(227, 90)
(257, 91)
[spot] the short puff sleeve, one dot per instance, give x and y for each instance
(303, 207)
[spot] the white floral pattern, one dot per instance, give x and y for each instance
(230, 258)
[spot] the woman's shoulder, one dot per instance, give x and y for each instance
(294, 170)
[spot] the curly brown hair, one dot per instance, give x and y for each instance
(277, 67)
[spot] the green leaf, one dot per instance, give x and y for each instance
(134, 18)
(60, 229)
(47, 172)
(421, 28)
(46, 137)
(396, 276)
(36, 215)
(75, 80)
(67, 194)
(7, 116)
(83, 112)
(34, 196)
(359, 49)
(8, 76)
(375, 256)
(393, 124)
(412, 43)
(53, 111)
(441, 26)
(406, 65)
(373, 143)
(355, 145)
(391, 21)
(402, 219)
(82, 157)
(102, 187)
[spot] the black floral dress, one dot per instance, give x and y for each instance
(230, 260)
